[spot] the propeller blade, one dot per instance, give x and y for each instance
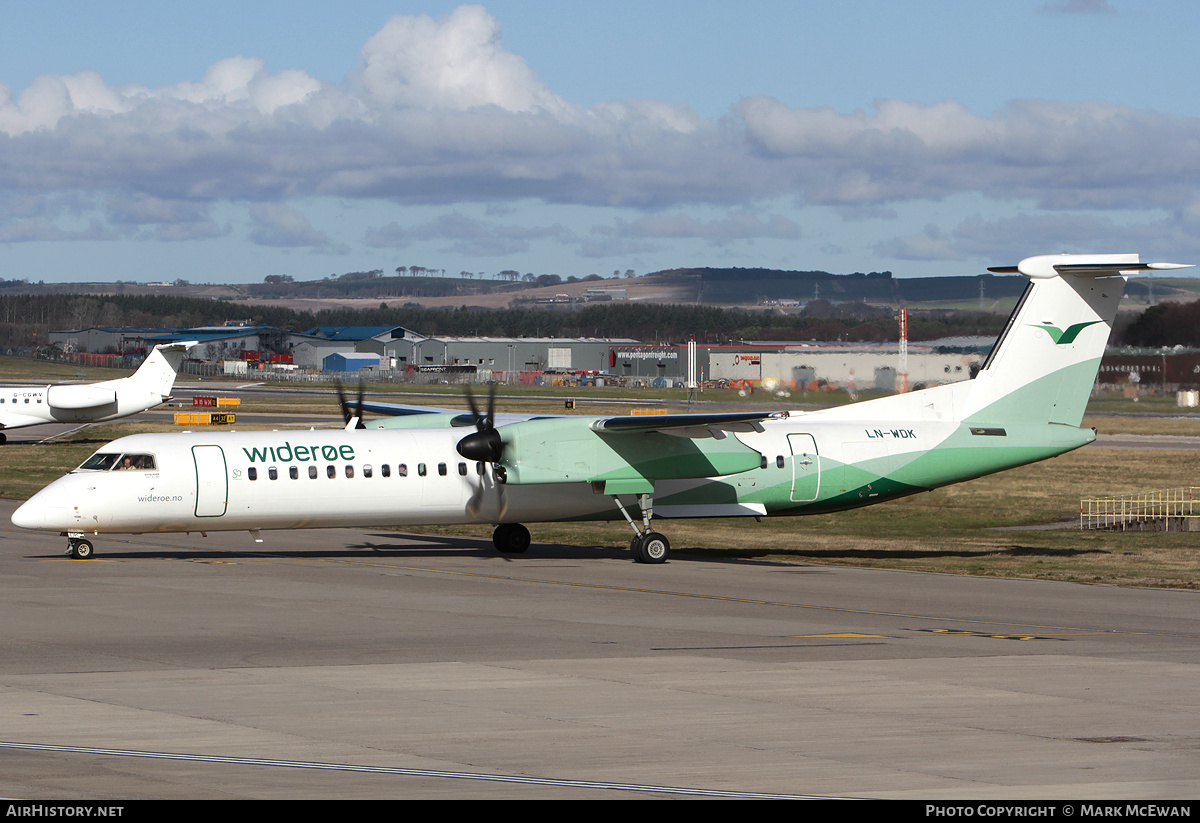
(483, 483)
(484, 444)
(341, 394)
(491, 410)
(503, 502)
(475, 502)
(475, 415)
(356, 412)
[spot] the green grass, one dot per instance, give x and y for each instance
(47, 371)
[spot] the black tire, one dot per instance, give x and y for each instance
(651, 547)
(511, 538)
(82, 550)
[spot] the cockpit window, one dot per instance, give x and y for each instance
(100, 462)
(137, 462)
(107, 461)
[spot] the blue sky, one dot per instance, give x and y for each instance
(224, 142)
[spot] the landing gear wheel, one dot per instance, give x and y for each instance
(80, 549)
(511, 538)
(651, 547)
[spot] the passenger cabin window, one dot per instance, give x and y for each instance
(252, 473)
(331, 472)
(442, 469)
(312, 472)
(294, 472)
(421, 469)
(402, 470)
(366, 471)
(385, 470)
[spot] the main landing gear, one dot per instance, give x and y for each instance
(647, 546)
(78, 548)
(511, 538)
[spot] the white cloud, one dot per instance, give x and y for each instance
(1078, 7)
(1011, 238)
(441, 113)
(466, 235)
(274, 224)
(737, 226)
(455, 63)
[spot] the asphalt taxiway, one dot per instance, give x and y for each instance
(371, 664)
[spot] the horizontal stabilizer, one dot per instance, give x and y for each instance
(80, 396)
(1084, 265)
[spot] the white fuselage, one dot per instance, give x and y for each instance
(223, 481)
(22, 406)
(305, 479)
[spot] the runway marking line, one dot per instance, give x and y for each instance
(389, 770)
(846, 636)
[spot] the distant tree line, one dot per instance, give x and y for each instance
(27, 319)
(1164, 324)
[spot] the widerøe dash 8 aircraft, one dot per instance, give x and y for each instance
(1025, 405)
(149, 386)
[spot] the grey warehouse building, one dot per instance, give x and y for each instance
(502, 354)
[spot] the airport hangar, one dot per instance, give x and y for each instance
(799, 365)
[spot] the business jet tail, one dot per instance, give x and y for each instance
(157, 374)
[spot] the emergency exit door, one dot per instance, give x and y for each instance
(806, 468)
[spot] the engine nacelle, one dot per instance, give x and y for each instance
(80, 397)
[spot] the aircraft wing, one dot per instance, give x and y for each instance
(668, 423)
(428, 417)
(398, 410)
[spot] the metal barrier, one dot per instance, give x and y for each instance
(1167, 510)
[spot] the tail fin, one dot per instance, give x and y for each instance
(1044, 364)
(157, 373)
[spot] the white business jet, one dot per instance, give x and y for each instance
(149, 386)
(1026, 404)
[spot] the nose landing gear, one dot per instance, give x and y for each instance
(78, 548)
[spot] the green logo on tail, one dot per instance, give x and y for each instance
(1062, 338)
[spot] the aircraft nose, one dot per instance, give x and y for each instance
(29, 515)
(41, 513)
